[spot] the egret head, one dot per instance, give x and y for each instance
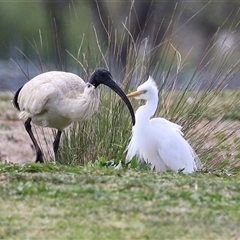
(145, 91)
(103, 76)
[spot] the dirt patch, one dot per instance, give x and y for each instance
(15, 144)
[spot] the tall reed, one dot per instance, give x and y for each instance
(200, 104)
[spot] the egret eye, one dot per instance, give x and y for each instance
(143, 91)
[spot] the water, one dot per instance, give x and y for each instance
(14, 75)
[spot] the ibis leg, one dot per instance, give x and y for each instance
(39, 155)
(56, 145)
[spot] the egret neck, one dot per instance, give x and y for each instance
(145, 112)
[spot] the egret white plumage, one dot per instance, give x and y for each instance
(158, 141)
(56, 99)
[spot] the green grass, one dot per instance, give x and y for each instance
(60, 202)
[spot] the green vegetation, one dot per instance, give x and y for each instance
(59, 202)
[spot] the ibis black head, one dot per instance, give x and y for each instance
(100, 76)
(103, 76)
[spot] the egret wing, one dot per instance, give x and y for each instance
(173, 149)
(168, 124)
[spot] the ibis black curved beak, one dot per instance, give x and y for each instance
(111, 84)
(103, 76)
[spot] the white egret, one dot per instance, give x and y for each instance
(158, 141)
(56, 99)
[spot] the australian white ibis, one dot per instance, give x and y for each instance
(158, 141)
(56, 99)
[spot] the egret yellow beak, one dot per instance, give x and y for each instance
(135, 94)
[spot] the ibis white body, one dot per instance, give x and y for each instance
(158, 141)
(56, 99)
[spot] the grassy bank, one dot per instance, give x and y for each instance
(59, 202)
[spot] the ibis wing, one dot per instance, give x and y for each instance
(48, 87)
